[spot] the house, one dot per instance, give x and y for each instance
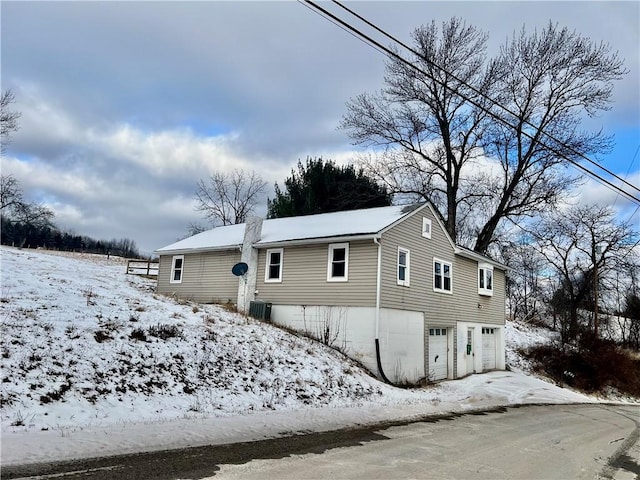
(386, 285)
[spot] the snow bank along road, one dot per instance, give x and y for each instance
(529, 442)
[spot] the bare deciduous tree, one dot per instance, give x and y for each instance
(227, 198)
(585, 247)
(439, 142)
(10, 193)
(549, 81)
(422, 112)
(14, 209)
(524, 280)
(8, 119)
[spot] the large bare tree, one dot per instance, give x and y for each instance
(421, 111)
(440, 130)
(549, 81)
(227, 198)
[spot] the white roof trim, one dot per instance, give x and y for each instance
(436, 215)
(405, 216)
(317, 240)
(182, 251)
(470, 254)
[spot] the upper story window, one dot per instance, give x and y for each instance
(403, 267)
(485, 279)
(338, 262)
(426, 227)
(177, 268)
(273, 267)
(442, 276)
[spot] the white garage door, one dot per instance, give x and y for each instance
(488, 348)
(437, 353)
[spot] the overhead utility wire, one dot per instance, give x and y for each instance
(635, 155)
(628, 171)
(378, 46)
(475, 90)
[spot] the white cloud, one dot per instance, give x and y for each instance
(125, 106)
(116, 181)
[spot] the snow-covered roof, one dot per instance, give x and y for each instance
(217, 238)
(325, 225)
(329, 225)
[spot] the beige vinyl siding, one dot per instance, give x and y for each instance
(419, 296)
(475, 307)
(206, 277)
(304, 277)
(440, 309)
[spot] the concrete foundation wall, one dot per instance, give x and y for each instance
(352, 330)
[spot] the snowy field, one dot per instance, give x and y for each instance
(95, 363)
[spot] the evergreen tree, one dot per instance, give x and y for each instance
(323, 187)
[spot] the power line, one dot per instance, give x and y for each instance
(383, 49)
(476, 91)
(635, 155)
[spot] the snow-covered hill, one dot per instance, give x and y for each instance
(87, 348)
(82, 341)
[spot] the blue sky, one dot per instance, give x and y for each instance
(126, 105)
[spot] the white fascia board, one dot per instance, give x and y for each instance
(470, 254)
(319, 240)
(404, 217)
(436, 215)
(186, 251)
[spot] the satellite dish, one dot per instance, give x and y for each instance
(240, 269)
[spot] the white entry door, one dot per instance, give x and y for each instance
(488, 348)
(437, 353)
(470, 351)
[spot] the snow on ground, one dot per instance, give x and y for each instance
(522, 336)
(95, 363)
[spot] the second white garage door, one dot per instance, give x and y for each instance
(437, 353)
(488, 348)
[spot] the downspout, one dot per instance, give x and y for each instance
(377, 339)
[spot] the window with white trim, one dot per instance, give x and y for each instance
(177, 269)
(338, 262)
(426, 227)
(273, 266)
(403, 267)
(485, 279)
(442, 276)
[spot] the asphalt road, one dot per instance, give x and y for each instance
(532, 442)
